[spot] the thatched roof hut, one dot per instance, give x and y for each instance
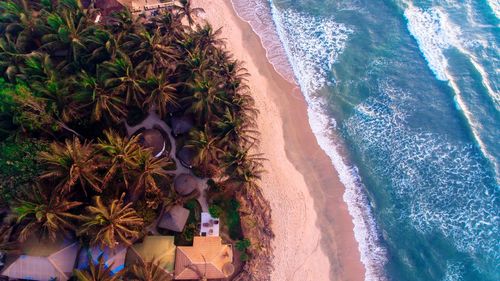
(153, 138)
(185, 184)
(160, 249)
(182, 124)
(186, 156)
(175, 219)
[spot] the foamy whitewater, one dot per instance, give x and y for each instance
(403, 96)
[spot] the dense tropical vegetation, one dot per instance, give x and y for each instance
(67, 87)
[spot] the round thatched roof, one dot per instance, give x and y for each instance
(184, 184)
(153, 138)
(182, 124)
(186, 156)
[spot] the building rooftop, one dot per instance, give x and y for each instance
(44, 260)
(160, 249)
(208, 258)
(175, 219)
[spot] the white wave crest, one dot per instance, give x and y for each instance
(435, 33)
(313, 46)
(427, 172)
(495, 7)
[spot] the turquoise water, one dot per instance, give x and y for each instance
(404, 97)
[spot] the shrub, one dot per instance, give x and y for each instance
(242, 245)
(19, 164)
(149, 215)
(215, 211)
(244, 257)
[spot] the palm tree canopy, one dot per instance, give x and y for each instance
(47, 214)
(72, 163)
(111, 224)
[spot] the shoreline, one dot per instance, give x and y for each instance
(314, 230)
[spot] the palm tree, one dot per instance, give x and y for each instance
(123, 22)
(161, 94)
(169, 24)
(207, 36)
(107, 225)
(11, 58)
(97, 272)
(7, 245)
(102, 46)
(233, 127)
(184, 10)
(69, 29)
(43, 212)
(124, 79)
(152, 51)
(71, 163)
(106, 104)
(120, 153)
(205, 147)
(20, 23)
(149, 271)
(56, 92)
(208, 93)
(150, 170)
(243, 166)
(195, 63)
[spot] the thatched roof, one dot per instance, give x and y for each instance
(174, 219)
(160, 249)
(186, 156)
(184, 184)
(114, 258)
(208, 256)
(182, 124)
(153, 138)
(44, 260)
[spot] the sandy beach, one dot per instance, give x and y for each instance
(314, 231)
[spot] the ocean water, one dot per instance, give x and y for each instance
(404, 97)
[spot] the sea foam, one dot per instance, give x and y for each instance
(427, 172)
(313, 46)
(303, 49)
(435, 33)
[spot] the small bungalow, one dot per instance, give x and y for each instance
(113, 258)
(160, 249)
(156, 140)
(186, 156)
(43, 260)
(185, 184)
(207, 258)
(175, 219)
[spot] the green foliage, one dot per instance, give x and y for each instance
(244, 257)
(191, 228)
(149, 215)
(242, 245)
(231, 217)
(64, 77)
(19, 165)
(215, 211)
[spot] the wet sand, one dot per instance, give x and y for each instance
(314, 231)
